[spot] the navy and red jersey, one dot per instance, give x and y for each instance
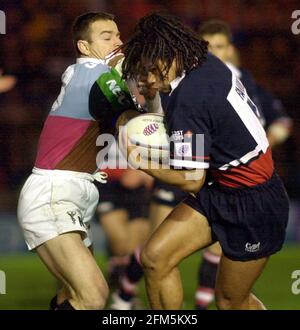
(214, 125)
(270, 107)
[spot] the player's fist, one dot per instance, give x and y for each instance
(115, 60)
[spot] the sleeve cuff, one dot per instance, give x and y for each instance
(188, 164)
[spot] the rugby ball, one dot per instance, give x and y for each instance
(148, 133)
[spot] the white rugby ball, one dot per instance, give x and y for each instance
(149, 134)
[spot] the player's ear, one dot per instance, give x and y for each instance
(83, 47)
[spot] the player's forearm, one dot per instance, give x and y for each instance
(187, 180)
(190, 181)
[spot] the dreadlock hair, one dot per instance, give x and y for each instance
(162, 37)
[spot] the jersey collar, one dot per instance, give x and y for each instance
(234, 69)
(174, 83)
(81, 60)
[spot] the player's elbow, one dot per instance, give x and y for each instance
(192, 186)
(193, 180)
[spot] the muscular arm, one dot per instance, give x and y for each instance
(187, 180)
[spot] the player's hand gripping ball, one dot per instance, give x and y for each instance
(147, 136)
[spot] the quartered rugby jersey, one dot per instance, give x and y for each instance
(92, 97)
(214, 125)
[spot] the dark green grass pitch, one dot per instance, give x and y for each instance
(30, 286)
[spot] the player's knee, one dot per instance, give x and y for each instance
(225, 302)
(151, 259)
(95, 297)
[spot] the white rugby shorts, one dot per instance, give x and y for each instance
(53, 202)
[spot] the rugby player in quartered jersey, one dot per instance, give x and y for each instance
(92, 98)
(59, 198)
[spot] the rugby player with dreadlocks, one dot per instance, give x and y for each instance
(237, 198)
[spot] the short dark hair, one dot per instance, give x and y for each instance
(160, 36)
(81, 26)
(215, 26)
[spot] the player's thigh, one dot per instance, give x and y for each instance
(215, 249)
(139, 229)
(158, 213)
(183, 232)
(114, 224)
(236, 278)
(67, 256)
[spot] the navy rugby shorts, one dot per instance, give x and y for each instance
(249, 223)
(113, 196)
(165, 194)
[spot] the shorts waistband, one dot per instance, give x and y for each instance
(98, 176)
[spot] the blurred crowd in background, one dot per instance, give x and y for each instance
(38, 47)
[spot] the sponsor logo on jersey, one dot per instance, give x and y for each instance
(183, 149)
(177, 135)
